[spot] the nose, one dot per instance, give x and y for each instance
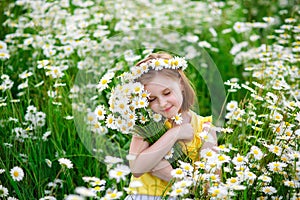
(162, 102)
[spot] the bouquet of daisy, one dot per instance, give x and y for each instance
(126, 110)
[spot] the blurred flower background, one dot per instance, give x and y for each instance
(44, 45)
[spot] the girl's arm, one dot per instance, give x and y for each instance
(147, 157)
(163, 170)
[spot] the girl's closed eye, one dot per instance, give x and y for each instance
(151, 99)
(167, 93)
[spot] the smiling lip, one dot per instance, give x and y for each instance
(168, 109)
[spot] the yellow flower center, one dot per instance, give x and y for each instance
(209, 154)
(233, 180)
(240, 159)
(178, 190)
(221, 158)
(104, 81)
(119, 173)
(255, 151)
(90, 118)
(16, 174)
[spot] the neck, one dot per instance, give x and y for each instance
(186, 116)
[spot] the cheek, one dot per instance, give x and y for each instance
(154, 107)
(176, 99)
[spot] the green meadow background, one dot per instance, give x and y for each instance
(30, 27)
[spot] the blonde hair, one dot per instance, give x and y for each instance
(188, 92)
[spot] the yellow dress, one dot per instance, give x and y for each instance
(155, 186)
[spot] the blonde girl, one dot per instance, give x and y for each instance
(170, 94)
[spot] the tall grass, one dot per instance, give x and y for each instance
(31, 29)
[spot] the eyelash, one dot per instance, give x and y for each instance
(151, 100)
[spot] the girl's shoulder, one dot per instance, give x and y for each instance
(196, 118)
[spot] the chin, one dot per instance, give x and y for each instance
(169, 115)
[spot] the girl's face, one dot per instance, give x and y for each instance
(165, 95)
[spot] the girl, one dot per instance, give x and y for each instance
(170, 94)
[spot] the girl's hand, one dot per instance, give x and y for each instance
(185, 132)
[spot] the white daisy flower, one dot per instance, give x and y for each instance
(3, 46)
(55, 72)
(156, 64)
(74, 197)
(222, 158)
(137, 71)
(25, 74)
(65, 162)
(175, 63)
(186, 166)
(120, 172)
(97, 182)
(144, 67)
(86, 192)
(276, 166)
(91, 118)
(177, 118)
(218, 192)
(4, 55)
(3, 191)
(179, 192)
(130, 116)
(208, 153)
(256, 152)
(265, 178)
(232, 105)
(112, 160)
(183, 184)
(241, 27)
(110, 122)
(269, 190)
(269, 20)
(169, 154)
(233, 181)
(42, 63)
(100, 112)
(48, 162)
(105, 80)
(143, 119)
(277, 116)
(157, 117)
(17, 173)
(113, 194)
(137, 88)
(275, 149)
(178, 173)
(142, 103)
(239, 160)
(121, 107)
